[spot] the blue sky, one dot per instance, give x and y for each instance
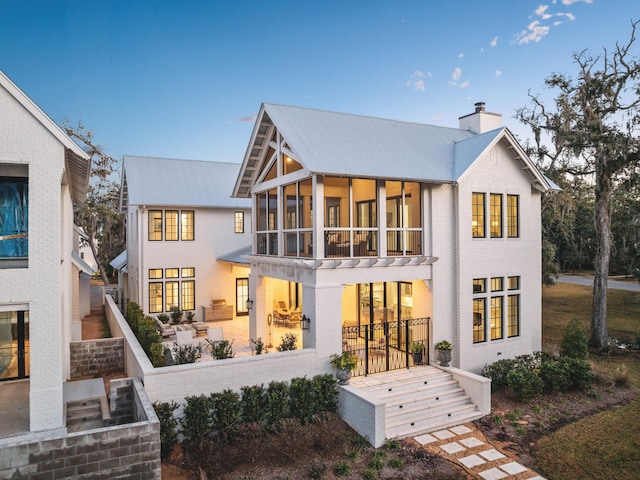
(184, 79)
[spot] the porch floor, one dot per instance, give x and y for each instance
(14, 408)
(237, 330)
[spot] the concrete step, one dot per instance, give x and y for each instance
(420, 390)
(408, 384)
(400, 415)
(434, 421)
(425, 402)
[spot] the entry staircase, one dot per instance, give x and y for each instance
(418, 400)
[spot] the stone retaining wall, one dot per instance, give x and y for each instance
(97, 357)
(129, 451)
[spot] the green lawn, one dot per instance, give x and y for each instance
(606, 445)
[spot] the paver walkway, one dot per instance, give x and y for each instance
(467, 447)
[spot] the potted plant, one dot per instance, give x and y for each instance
(444, 352)
(344, 364)
(417, 350)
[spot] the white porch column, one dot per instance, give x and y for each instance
(258, 314)
(323, 305)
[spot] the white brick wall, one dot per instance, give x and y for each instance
(45, 286)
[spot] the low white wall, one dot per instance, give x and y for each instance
(136, 362)
(476, 386)
(365, 415)
(179, 381)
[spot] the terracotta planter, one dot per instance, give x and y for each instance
(445, 357)
(343, 375)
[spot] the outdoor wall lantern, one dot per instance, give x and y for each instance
(305, 322)
(249, 304)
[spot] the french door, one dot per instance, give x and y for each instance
(14, 345)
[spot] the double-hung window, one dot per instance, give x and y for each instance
(477, 215)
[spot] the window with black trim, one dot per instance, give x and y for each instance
(238, 222)
(495, 200)
(156, 299)
(513, 216)
(477, 215)
(155, 225)
(171, 225)
(500, 306)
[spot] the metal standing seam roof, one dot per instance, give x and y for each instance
(175, 182)
(345, 144)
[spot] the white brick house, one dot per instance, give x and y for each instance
(370, 222)
(181, 220)
(42, 173)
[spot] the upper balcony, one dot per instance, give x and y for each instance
(336, 217)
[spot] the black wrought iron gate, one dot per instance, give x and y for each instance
(381, 347)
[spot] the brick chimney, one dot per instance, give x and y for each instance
(480, 121)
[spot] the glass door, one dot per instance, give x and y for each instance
(14, 345)
(242, 295)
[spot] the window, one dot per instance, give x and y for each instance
(479, 309)
(171, 272)
(513, 316)
(155, 297)
(172, 299)
(187, 225)
(496, 215)
(155, 273)
(513, 283)
(188, 272)
(171, 225)
(479, 285)
(477, 215)
(238, 222)
(404, 218)
(496, 284)
(513, 214)
(188, 295)
(155, 225)
(496, 318)
(14, 216)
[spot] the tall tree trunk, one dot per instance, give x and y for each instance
(103, 274)
(602, 218)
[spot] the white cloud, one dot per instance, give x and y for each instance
(498, 73)
(461, 55)
(464, 84)
(533, 33)
(494, 42)
(541, 11)
(457, 73)
(417, 81)
(250, 119)
(570, 16)
(571, 2)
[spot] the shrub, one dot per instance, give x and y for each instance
(253, 403)
(574, 341)
(621, 376)
(325, 393)
(525, 383)
(225, 411)
(221, 349)
(182, 354)
(497, 372)
(580, 376)
(258, 347)
(287, 342)
(301, 401)
(277, 402)
(176, 314)
(163, 317)
(168, 424)
(317, 469)
(342, 469)
(196, 421)
(555, 376)
(159, 355)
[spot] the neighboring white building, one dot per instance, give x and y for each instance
(42, 173)
(181, 220)
(365, 222)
